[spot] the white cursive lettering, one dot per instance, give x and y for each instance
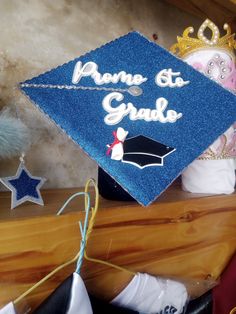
(91, 69)
(116, 114)
(165, 78)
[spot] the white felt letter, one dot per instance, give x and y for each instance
(166, 78)
(81, 71)
(115, 115)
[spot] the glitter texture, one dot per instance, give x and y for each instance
(80, 114)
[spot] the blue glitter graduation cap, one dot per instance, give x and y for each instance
(132, 87)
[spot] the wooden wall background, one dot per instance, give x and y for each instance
(219, 11)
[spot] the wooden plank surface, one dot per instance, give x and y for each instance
(55, 198)
(219, 11)
(180, 235)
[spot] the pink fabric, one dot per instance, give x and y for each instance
(230, 81)
(225, 145)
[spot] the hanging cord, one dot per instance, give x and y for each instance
(84, 235)
(83, 229)
(132, 90)
(90, 228)
(87, 200)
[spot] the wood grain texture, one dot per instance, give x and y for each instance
(219, 11)
(180, 235)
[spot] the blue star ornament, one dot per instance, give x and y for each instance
(141, 113)
(24, 187)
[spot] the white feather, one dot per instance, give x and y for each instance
(14, 136)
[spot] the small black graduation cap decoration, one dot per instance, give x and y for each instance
(140, 151)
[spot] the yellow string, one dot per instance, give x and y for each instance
(46, 278)
(63, 265)
(233, 311)
(90, 228)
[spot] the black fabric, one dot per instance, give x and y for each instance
(110, 189)
(201, 305)
(58, 301)
(101, 307)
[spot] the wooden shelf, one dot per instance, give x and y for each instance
(55, 198)
(181, 235)
(219, 11)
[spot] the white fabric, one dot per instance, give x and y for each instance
(8, 309)
(79, 299)
(150, 295)
(210, 177)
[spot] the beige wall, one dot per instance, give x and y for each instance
(37, 35)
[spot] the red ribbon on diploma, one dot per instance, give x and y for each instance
(116, 141)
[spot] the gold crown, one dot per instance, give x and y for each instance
(187, 44)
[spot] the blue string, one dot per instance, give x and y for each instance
(83, 229)
(70, 199)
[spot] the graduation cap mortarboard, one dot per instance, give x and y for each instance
(142, 151)
(145, 152)
(135, 84)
